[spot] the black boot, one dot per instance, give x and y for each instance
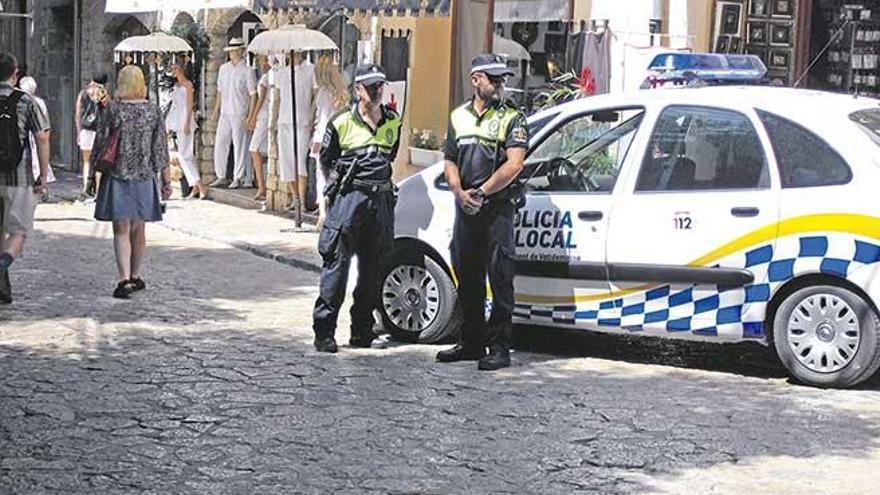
(5, 287)
(326, 344)
(498, 358)
(363, 341)
(461, 353)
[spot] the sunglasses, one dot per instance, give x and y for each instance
(496, 80)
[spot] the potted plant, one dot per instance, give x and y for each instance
(425, 148)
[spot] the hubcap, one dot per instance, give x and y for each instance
(824, 333)
(410, 297)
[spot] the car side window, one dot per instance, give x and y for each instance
(804, 159)
(700, 148)
(583, 154)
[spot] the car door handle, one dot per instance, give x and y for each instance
(745, 212)
(590, 216)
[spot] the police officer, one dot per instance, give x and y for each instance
(485, 148)
(358, 148)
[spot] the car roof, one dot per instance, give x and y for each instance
(796, 104)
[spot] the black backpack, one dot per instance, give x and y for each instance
(91, 112)
(11, 146)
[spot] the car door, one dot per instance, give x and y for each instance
(570, 176)
(689, 238)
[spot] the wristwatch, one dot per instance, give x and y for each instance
(479, 193)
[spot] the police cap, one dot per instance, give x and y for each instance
(369, 74)
(491, 65)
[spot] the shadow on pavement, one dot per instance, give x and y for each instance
(226, 411)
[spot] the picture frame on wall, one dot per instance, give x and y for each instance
(759, 8)
(779, 59)
(729, 22)
(722, 44)
(735, 44)
(758, 51)
(757, 33)
(780, 34)
(782, 8)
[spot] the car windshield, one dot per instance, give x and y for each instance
(869, 121)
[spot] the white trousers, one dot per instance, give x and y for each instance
(187, 157)
(231, 130)
(288, 164)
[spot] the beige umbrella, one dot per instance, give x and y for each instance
(509, 48)
(291, 38)
(157, 42)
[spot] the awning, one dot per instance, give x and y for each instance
(531, 10)
(133, 6)
(440, 7)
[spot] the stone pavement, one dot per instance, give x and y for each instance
(264, 234)
(207, 383)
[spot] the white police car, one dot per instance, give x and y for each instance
(723, 214)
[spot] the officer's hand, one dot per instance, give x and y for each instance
(469, 202)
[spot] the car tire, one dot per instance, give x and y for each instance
(418, 299)
(827, 336)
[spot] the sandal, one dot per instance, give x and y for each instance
(123, 290)
(137, 284)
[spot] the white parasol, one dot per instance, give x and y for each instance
(509, 48)
(291, 38)
(157, 42)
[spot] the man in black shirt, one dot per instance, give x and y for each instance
(485, 149)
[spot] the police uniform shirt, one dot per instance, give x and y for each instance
(478, 144)
(236, 83)
(348, 135)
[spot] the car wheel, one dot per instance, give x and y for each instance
(419, 299)
(827, 336)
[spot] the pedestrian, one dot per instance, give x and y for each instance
(331, 97)
(359, 146)
(258, 123)
(20, 118)
(90, 105)
(181, 121)
(236, 95)
(485, 149)
(292, 163)
(128, 194)
(29, 86)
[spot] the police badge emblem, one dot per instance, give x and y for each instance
(389, 135)
(494, 126)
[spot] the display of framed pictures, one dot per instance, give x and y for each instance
(736, 44)
(779, 59)
(758, 51)
(729, 21)
(780, 34)
(759, 8)
(757, 32)
(782, 8)
(722, 44)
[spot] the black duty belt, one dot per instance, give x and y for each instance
(369, 186)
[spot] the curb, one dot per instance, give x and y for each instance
(61, 193)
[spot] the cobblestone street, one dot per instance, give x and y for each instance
(207, 383)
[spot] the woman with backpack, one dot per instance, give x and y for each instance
(131, 150)
(90, 105)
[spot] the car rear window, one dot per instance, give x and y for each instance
(869, 121)
(804, 158)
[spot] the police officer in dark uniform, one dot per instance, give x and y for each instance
(358, 148)
(485, 148)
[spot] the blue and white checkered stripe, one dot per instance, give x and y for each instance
(717, 311)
